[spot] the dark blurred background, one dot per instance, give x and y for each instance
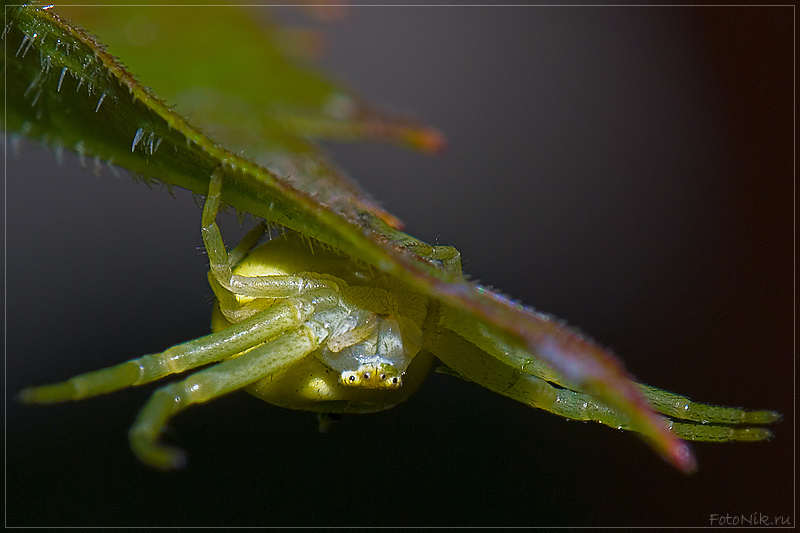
(628, 169)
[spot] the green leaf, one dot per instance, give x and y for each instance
(65, 90)
(253, 93)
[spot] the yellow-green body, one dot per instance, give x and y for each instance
(310, 384)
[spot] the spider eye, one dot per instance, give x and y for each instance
(366, 375)
(352, 379)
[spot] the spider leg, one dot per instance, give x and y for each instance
(674, 406)
(285, 315)
(447, 258)
(247, 243)
(232, 308)
(471, 363)
(677, 406)
(211, 383)
(221, 263)
(671, 404)
(716, 424)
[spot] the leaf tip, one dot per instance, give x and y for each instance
(428, 140)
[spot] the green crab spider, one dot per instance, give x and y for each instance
(303, 326)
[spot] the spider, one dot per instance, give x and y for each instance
(304, 326)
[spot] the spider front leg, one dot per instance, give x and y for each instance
(283, 316)
(211, 383)
(275, 337)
